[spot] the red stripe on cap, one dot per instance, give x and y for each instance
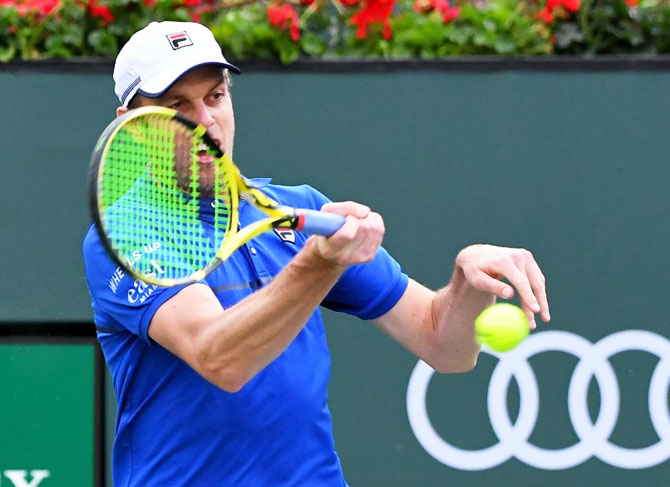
(174, 36)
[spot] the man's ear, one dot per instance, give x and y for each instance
(121, 110)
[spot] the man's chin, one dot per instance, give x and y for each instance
(204, 191)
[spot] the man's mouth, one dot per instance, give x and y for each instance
(205, 155)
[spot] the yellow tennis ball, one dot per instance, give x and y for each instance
(501, 327)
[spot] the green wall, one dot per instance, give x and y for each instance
(47, 414)
(569, 164)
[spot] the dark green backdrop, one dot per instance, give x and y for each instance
(47, 414)
(570, 164)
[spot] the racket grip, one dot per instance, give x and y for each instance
(319, 222)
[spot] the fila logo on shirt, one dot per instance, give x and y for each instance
(179, 40)
(286, 234)
(19, 478)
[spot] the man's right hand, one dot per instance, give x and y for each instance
(357, 241)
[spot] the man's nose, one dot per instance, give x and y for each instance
(204, 116)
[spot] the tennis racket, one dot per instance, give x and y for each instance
(165, 199)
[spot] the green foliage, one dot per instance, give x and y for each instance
(502, 27)
(613, 27)
(389, 29)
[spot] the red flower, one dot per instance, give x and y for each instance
(349, 3)
(47, 6)
(448, 12)
(307, 2)
(632, 3)
(199, 10)
(441, 5)
(546, 16)
(569, 5)
(452, 13)
(572, 5)
(373, 11)
(25, 7)
(100, 11)
(284, 17)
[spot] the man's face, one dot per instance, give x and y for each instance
(202, 96)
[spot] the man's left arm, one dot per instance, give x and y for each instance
(438, 327)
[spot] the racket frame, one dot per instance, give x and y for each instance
(279, 216)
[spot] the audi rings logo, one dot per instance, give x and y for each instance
(593, 437)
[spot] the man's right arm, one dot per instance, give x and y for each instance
(229, 346)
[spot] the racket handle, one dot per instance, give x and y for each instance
(319, 222)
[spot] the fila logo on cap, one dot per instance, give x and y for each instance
(286, 234)
(179, 40)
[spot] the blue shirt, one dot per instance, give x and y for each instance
(175, 429)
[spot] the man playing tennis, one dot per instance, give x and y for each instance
(224, 382)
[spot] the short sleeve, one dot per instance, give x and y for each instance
(368, 290)
(119, 300)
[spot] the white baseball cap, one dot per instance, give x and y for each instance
(156, 56)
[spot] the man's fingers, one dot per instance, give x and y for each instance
(503, 271)
(369, 237)
(484, 282)
(358, 239)
(538, 283)
(347, 208)
(519, 279)
(524, 274)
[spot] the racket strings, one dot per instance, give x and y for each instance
(164, 213)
